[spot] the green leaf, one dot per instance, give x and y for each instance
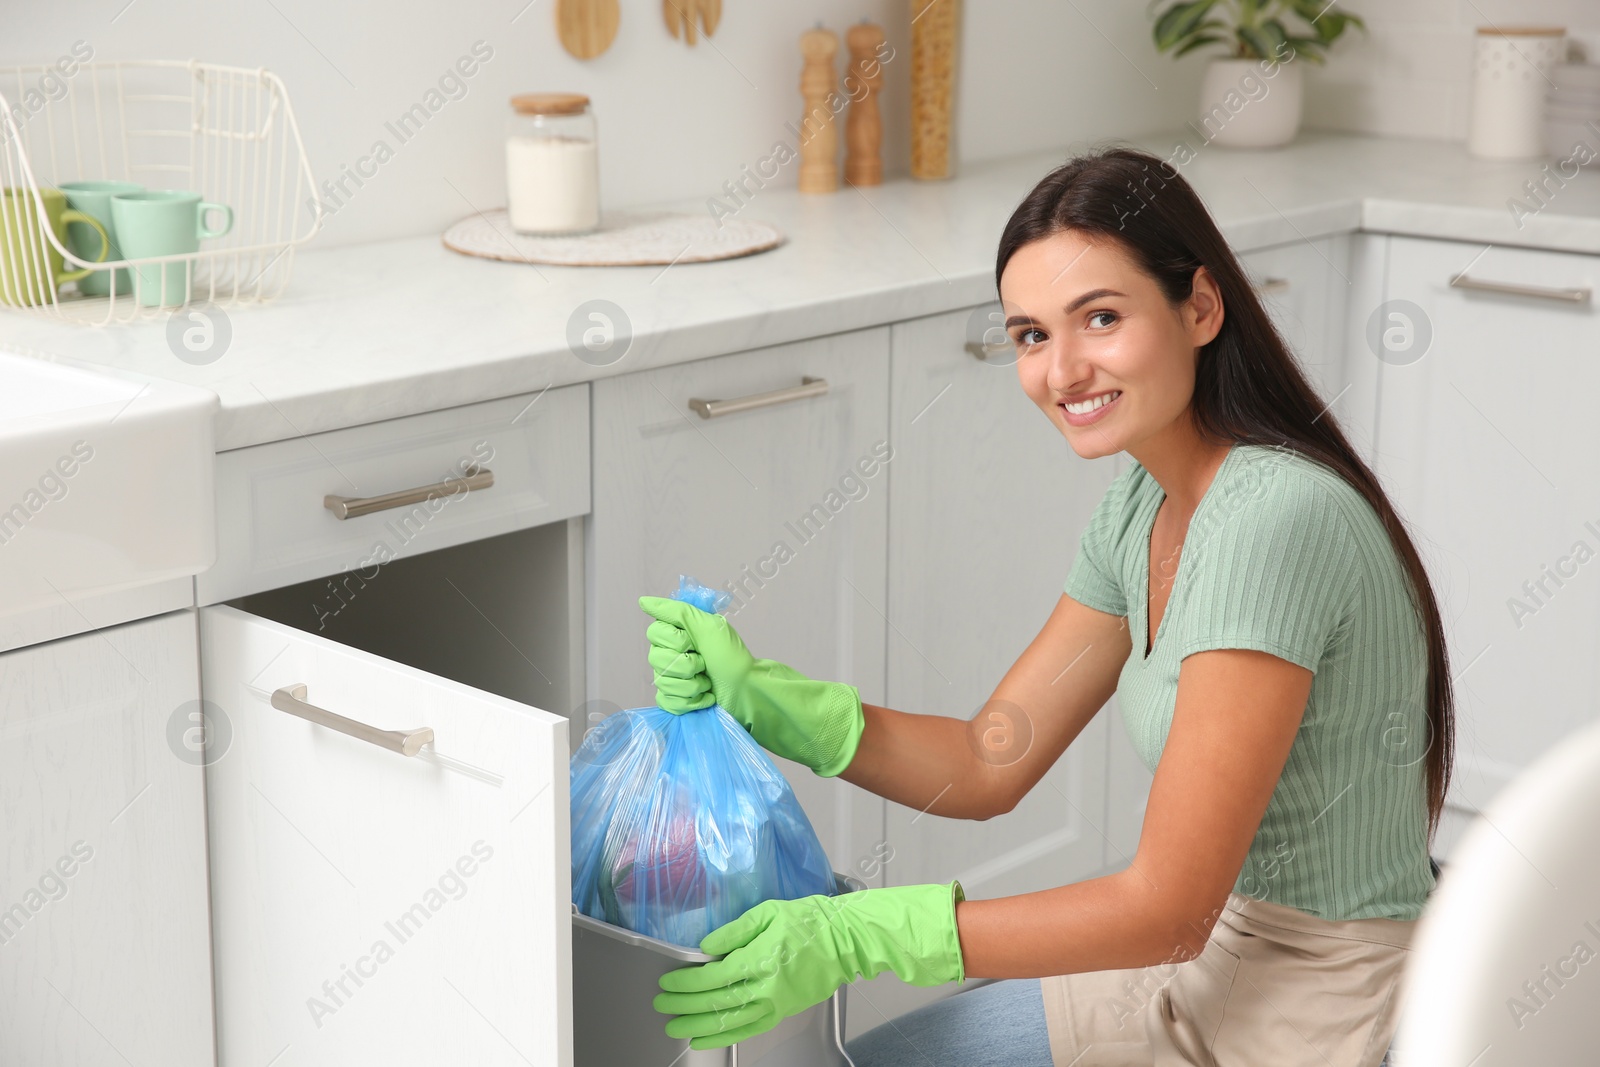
(1196, 42)
(1309, 49)
(1308, 9)
(1253, 44)
(1326, 20)
(1179, 21)
(1162, 29)
(1339, 25)
(1277, 38)
(1329, 26)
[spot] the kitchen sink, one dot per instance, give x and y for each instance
(106, 486)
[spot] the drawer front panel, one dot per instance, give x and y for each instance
(373, 907)
(273, 527)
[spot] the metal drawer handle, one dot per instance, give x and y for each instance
(710, 409)
(1272, 285)
(292, 698)
(349, 507)
(1566, 296)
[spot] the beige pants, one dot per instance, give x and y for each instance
(1273, 985)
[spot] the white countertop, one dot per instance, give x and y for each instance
(380, 330)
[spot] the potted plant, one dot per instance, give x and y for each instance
(1250, 96)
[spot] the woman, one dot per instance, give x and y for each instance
(1250, 595)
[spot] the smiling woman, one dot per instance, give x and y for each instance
(1284, 676)
(1283, 673)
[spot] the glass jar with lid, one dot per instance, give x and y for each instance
(552, 164)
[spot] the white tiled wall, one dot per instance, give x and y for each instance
(678, 122)
(1409, 75)
(675, 122)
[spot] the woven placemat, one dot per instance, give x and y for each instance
(624, 239)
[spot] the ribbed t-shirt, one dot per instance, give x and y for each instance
(1285, 556)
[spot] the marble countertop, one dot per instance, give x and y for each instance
(385, 329)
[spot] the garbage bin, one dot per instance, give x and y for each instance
(616, 975)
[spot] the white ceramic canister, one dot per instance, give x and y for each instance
(552, 164)
(1510, 76)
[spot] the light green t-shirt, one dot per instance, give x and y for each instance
(1285, 556)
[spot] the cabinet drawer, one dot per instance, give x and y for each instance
(273, 527)
(374, 907)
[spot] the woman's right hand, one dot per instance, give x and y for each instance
(699, 659)
(683, 676)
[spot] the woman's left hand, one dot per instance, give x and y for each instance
(784, 956)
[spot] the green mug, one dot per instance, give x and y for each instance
(164, 222)
(24, 250)
(94, 198)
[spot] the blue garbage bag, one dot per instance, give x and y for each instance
(681, 823)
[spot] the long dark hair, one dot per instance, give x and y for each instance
(1248, 387)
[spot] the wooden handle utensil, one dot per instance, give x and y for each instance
(587, 27)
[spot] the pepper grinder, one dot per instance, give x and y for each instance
(863, 163)
(819, 142)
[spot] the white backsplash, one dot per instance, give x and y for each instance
(680, 123)
(674, 122)
(1410, 74)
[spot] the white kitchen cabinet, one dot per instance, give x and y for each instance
(773, 503)
(1486, 444)
(1304, 286)
(373, 906)
(105, 949)
(986, 503)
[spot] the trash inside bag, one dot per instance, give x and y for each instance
(681, 823)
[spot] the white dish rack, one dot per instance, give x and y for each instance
(227, 133)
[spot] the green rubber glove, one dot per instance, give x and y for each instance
(783, 956)
(699, 659)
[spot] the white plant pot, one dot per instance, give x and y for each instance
(1250, 103)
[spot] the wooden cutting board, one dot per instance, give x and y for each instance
(587, 27)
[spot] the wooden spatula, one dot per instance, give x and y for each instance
(680, 15)
(587, 27)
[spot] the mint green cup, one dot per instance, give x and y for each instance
(94, 198)
(164, 222)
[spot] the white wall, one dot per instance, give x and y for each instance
(1410, 74)
(675, 122)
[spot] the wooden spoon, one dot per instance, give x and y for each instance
(587, 27)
